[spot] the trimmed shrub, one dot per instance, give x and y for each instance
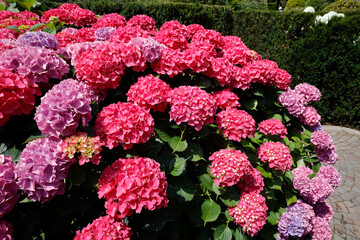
(342, 5)
(318, 5)
(294, 4)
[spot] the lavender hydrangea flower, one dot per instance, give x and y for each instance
(42, 169)
(8, 185)
(63, 107)
(69, 30)
(38, 39)
(317, 127)
(310, 92)
(150, 48)
(305, 210)
(103, 34)
(293, 102)
(37, 64)
(324, 210)
(292, 224)
(6, 230)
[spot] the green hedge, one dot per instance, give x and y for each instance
(326, 56)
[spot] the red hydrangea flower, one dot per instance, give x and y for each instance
(85, 35)
(250, 213)
(251, 182)
(208, 36)
(262, 71)
(282, 79)
(17, 95)
(100, 67)
(192, 105)
(144, 22)
(8, 34)
(8, 186)
(114, 20)
(6, 228)
(125, 34)
(125, 124)
(228, 166)
(222, 70)
(66, 38)
(226, 99)
(171, 39)
(133, 184)
(150, 93)
(235, 124)
(199, 57)
(232, 41)
(88, 148)
(6, 44)
(171, 62)
(276, 154)
(273, 127)
(104, 228)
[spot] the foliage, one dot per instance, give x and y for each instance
(342, 5)
(318, 5)
(294, 4)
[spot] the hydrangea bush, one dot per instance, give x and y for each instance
(114, 128)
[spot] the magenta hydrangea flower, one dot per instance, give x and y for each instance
(273, 127)
(6, 230)
(133, 184)
(208, 36)
(235, 124)
(72, 51)
(150, 49)
(300, 177)
(171, 39)
(310, 117)
(192, 105)
(8, 185)
(228, 166)
(324, 210)
(63, 108)
(315, 190)
(104, 33)
(222, 70)
(104, 228)
(199, 57)
(175, 26)
(293, 102)
(42, 169)
(144, 22)
(321, 229)
(114, 20)
(150, 93)
(125, 34)
(276, 154)
(226, 99)
(310, 92)
(238, 54)
(327, 156)
(240, 78)
(37, 64)
(325, 148)
(282, 79)
(125, 124)
(170, 63)
(331, 174)
(132, 57)
(250, 213)
(193, 28)
(38, 39)
(251, 182)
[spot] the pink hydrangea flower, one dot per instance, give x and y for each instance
(42, 169)
(114, 20)
(125, 124)
(300, 177)
(66, 38)
(150, 93)
(250, 213)
(104, 228)
(171, 39)
(273, 127)
(6, 44)
(240, 78)
(150, 49)
(310, 92)
(82, 147)
(321, 229)
(37, 64)
(100, 67)
(235, 124)
(8, 33)
(144, 22)
(228, 166)
(238, 55)
(132, 57)
(208, 36)
(193, 28)
(125, 34)
(310, 117)
(226, 99)
(251, 182)
(199, 57)
(316, 190)
(133, 184)
(293, 102)
(232, 41)
(276, 154)
(85, 34)
(192, 105)
(6, 230)
(222, 70)
(175, 26)
(38, 39)
(63, 107)
(72, 51)
(17, 95)
(282, 79)
(324, 210)
(322, 140)
(331, 174)
(170, 63)
(8, 185)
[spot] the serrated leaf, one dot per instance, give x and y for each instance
(37, 26)
(247, 144)
(275, 184)
(184, 189)
(177, 144)
(216, 189)
(179, 166)
(289, 175)
(162, 135)
(49, 30)
(230, 198)
(238, 235)
(227, 215)
(273, 218)
(34, 137)
(250, 104)
(286, 141)
(210, 211)
(3, 148)
(289, 197)
(263, 172)
(222, 232)
(194, 152)
(13, 152)
(207, 182)
(277, 116)
(14, 28)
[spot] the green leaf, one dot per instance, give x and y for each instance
(77, 175)
(162, 135)
(179, 166)
(231, 197)
(27, 4)
(13, 152)
(183, 188)
(275, 184)
(286, 118)
(247, 144)
(239, 235)
(207, 182)
(210, 211)
(34, 137)
(273, 218)
(277, 116)
(2, 6)
(14, 28)
(177, 144)
(250, 104)
(3, 148)
(289, 175)
(222, 232)
(263, 172)
(49, 30)
(194, 152)
(37, 26)
(216, 189)
(289, 197)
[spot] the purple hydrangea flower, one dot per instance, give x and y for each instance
(310, 117)
(327, 155)
(42, 169)
(319, 188)
(150, 48)
(38, 39)
(292, 224)
(281, 237)
(37, 64)
(324, 210)
(8, 185)
(305, 210)
(310, 92)
(63, 107)
(321, 229)
(322, 140)
(293, 102)
(331, 174)
(6, 230)
(104, 33)
(317, 127)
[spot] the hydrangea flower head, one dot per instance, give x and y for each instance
(42, 169)
(324, 210)
(170, 63)
(132, 57)
(8, 34)
(300, 176)
(208, 36)
(293, 102)
(276, 154)
(240, 78)
(251, 182)
(175, 26)
(125, 34)
(228, 166)
(282, 79)
(331, 174)
(222, 70)
(193, 28)
(133, 184)
(310, 117)
(303, 210)
(104, 33)
(63, 107)
(125, 124)
(6, 230)
(226, 99)
(199, 57)
(321, 229)
(322, 140)
(171, 39)
(114, 20)
(150, 93)
(238, 54)
(292, 224)
(8, 186)
(144, 22)
(17, 95)
(235, 124)
(150, 49)
(192, 105)
(250, 213)
(104, 228)
(273, 127)
(310, 92)
(38, 39)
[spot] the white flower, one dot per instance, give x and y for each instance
(309, 9)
